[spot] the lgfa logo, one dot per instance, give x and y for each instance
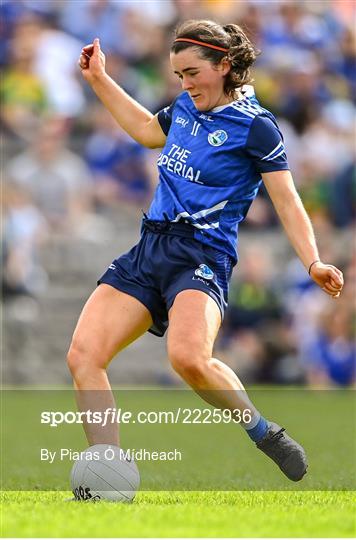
(217, 138)
(204, 272)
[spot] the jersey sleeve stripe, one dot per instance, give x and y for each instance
(276, 156)
(270, 155)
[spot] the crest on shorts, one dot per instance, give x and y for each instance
(217, 138)
(204, 272)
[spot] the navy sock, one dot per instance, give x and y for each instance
(259, 430)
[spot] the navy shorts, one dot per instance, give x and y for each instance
(166, 261)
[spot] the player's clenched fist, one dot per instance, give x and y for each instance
(92, 61)
(328, 277)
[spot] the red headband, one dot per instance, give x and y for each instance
(188, 40)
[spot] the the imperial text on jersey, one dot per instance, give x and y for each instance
(176, 162)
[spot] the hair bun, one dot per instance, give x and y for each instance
(237, 36)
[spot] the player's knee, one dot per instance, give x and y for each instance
(189, 363)
(75, 358)
(80, 359)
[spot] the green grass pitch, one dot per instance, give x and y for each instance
(320, 506)
(179, 514)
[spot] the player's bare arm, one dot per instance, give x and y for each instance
(296, 222)
(137, 121)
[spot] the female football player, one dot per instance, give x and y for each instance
(218, 145)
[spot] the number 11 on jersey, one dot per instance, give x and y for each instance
(195, 128)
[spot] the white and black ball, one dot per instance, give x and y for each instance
(104, 472)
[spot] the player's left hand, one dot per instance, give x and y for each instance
(328, 277)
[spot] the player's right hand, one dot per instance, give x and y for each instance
(92, 61)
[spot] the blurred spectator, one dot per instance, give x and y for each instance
(171, 85)
(261, 213)
(118, 164)
(24, 231)
(56, 65)
(330, 358)
(255, 340)
(94, 18)
(333, 129)
(295, 26)
(56, 178)
(344, 63)
(152, 11)
(303, 92)
(323, 328)
(343, 196)
(252, 298)
(333, 353)
(23, 94)
(148, 65)
(10, 14)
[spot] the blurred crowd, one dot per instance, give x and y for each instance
(66, 160)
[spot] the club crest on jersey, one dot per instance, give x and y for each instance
(217, 138)
(204, 272)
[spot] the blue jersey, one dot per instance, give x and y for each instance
(210, 167)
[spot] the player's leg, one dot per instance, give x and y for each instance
(110, 321)
(194, 321)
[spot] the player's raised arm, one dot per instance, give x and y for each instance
(137, 121)
(295, 220)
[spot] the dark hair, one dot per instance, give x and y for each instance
(241, 52)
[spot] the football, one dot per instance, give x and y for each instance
(104, 472)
